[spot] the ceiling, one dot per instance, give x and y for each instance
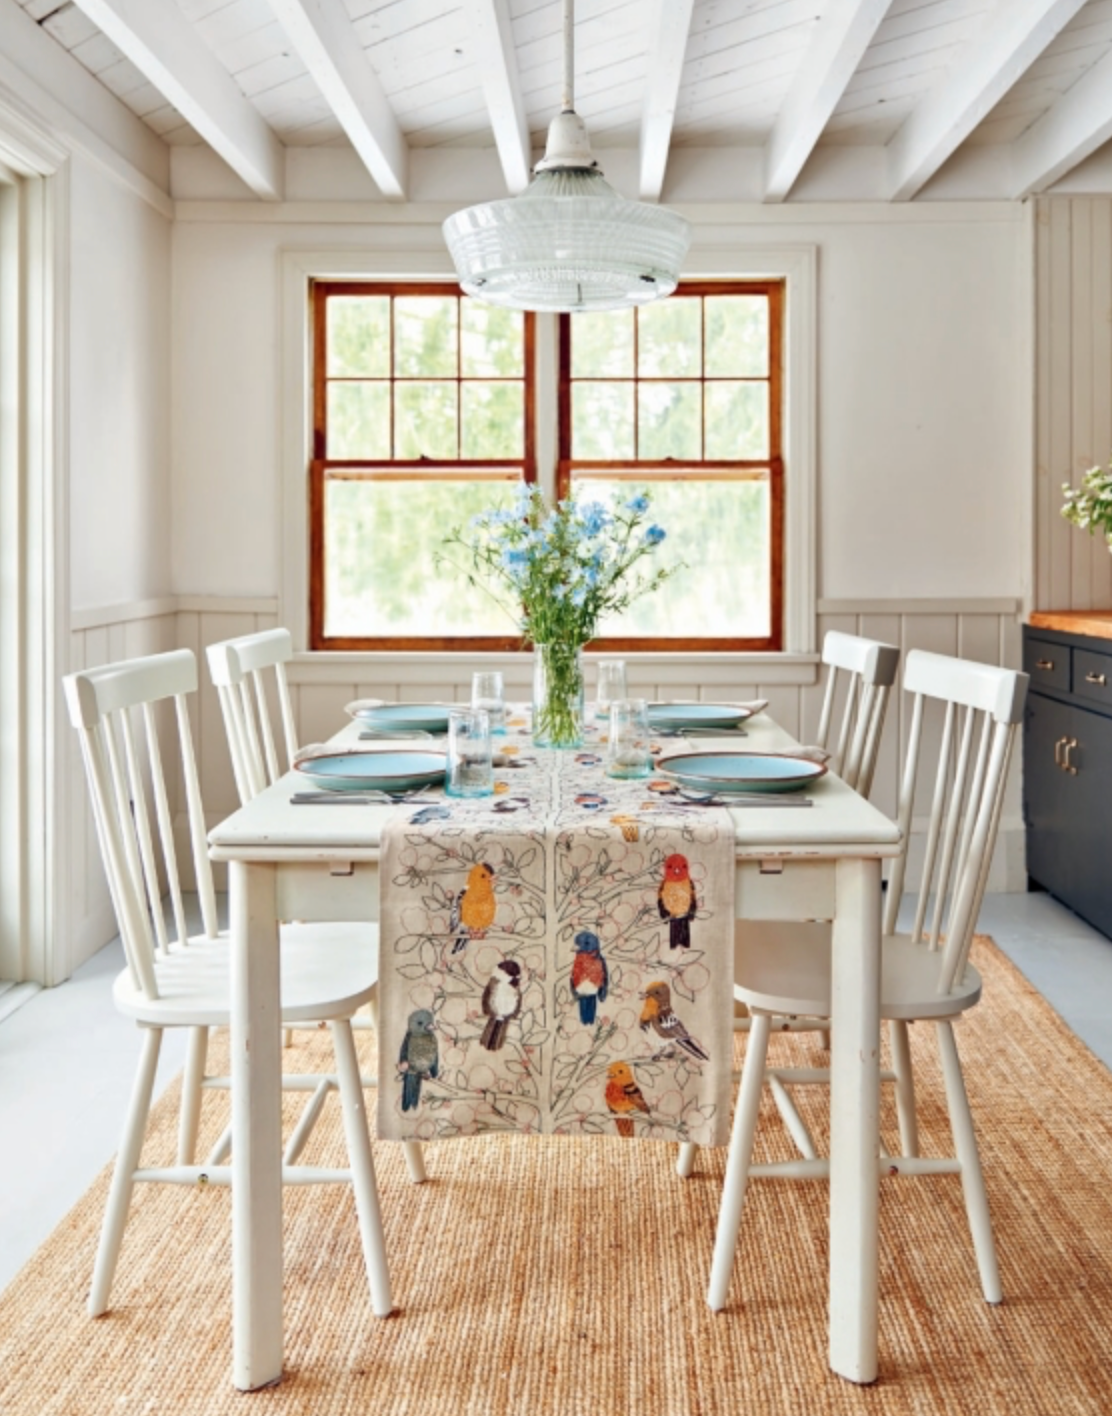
(928, 81)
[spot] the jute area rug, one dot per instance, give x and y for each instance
(565, 1276)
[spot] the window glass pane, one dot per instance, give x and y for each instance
(493, 420)
(380, 540)
(358, 420)
(358, 336)
(669, 418)
(425, 336)
(492, 342)
(602, 345)
(737, 336)
(669, 339)
(736, 421)
(425, 420)
(602, 420)
(720, 530)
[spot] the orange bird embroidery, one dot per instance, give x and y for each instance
(474, 907)
(676, 901)
(623, 1096)
(658, 1015)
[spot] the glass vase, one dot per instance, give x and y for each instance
(557, 695)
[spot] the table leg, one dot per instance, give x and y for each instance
(256, 1128)
(854, 1108)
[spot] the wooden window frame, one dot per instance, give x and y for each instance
(664, 470)
(321, 468)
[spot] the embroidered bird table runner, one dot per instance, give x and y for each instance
(557, 958)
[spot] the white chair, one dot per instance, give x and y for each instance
(926, 974)
(183, 982)
(859, 706)
(238, 671)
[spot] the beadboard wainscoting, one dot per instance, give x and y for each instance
(984, 629)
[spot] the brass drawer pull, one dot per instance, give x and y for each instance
(1096, 678)
(1058, 751)
(1046, 664)
(1066, 763)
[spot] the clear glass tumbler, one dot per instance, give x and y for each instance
(470, 765)
(488, 692)
(611, 685)
(629, 748)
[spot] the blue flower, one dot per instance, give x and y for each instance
(654, 535)
(593, 518)
(512, 558)
(638, 504)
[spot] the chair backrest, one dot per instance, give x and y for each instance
(237, 666)
(104, 704)
(871, 668)
(983, 708)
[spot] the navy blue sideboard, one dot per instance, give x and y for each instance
(1067, 763)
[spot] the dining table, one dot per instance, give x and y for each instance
(288, 861)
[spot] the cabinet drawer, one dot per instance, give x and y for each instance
(1047, 663)
(1092, 676)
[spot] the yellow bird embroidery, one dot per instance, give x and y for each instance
(474, 908)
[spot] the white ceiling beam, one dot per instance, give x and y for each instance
(495, 55)
(322, 33)
(1014, 38)
(1078, 124)
(163, 46)
(841, 36)
(666, 55)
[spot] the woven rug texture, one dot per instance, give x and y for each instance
(537, 1275)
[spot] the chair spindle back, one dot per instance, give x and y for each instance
(127, 784)
(236, 667)
(983, 708)
(871, 668)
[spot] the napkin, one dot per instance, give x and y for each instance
(754, 705)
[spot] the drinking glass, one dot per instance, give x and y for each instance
(611, 685)
(628, 751)
(488, 692)
(470, 768)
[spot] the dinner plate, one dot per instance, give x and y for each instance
(393, 771)
(402, 717)
(697, 715)
(741, 771)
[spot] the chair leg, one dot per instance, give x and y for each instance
(685, 1164)
(905, 1086)
(123, 1181)
(972, 1178)
(189, 1118)
(362, 1167)
(737, 1163)
(287, 1037)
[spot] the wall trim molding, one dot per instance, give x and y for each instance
(970, 605)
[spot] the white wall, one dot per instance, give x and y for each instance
(925, 397)
(119, 393)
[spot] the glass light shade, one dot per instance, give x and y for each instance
(568, 242)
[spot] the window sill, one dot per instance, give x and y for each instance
(424, 666)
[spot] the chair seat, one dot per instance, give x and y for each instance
(328, 971)
(784, 968)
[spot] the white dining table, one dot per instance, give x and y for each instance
(321, 863)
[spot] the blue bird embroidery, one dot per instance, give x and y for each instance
(590, 978)
(419, 1057)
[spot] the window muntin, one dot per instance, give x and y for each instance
(685, 397)
(423, 415)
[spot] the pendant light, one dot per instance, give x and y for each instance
(568, 242)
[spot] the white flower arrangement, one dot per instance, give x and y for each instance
(1090, 505)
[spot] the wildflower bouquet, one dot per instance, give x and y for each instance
(559, 571)
(1090, 505)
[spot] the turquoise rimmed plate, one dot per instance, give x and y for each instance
(741, 771)
(396, 771)
(696, 715)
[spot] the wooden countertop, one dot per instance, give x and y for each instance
(1095, 622)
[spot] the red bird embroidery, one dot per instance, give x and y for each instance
(676, 901)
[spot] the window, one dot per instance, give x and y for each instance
(685, 396)
(424, 411)
(422, 416)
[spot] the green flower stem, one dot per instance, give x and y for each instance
(557, 711)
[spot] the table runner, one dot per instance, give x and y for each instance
(557, 958)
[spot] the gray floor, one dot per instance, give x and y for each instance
(67, 1059)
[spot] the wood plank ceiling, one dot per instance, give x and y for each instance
(920, 79)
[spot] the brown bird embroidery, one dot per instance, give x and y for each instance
(676, 901)
(658, 1015)
(623, 1097)
(474, 908)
